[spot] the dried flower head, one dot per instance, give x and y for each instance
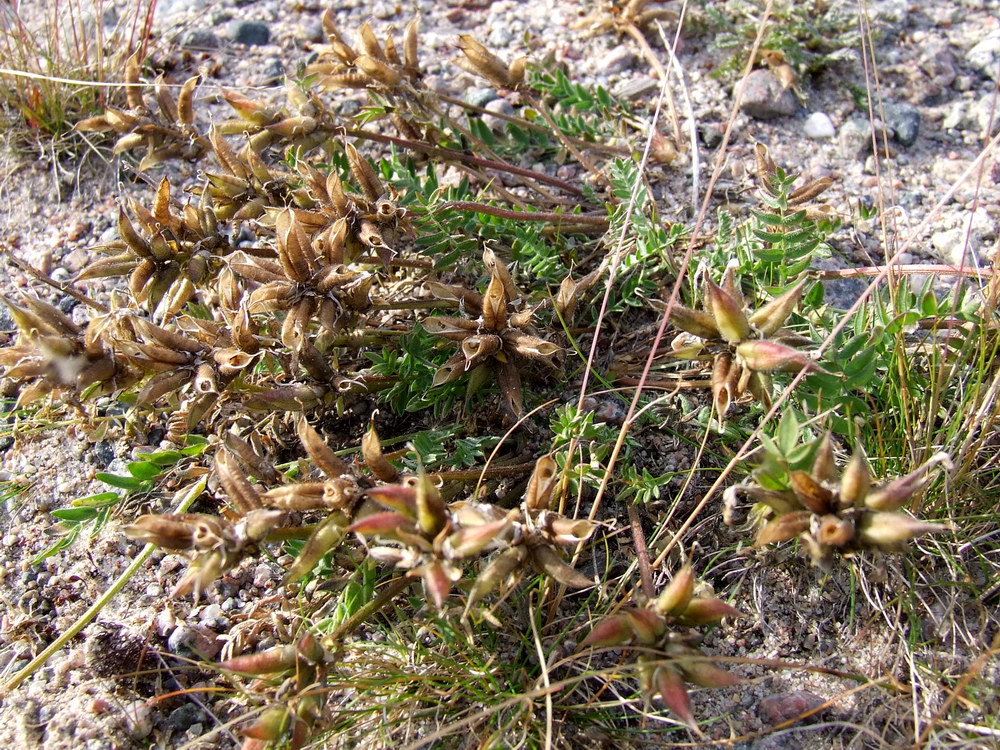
(165, 254)
(54, 354)
(743, 347)
(657, 626)
(168, 133)
(433, 540)
(370, 64)
(497, 340)
(834, 514)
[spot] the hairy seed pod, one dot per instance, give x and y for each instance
(809, 191)
(769, 318)
(293, 127)
(133, 239)
(165, 100)
(676, 596)
(288, 398)
(379, 71)
(371, 452)
(364, 174)
(328, 534)
(410, 37)
(727, 313)
(545, 560)
(185, 101)
(543, 481)
(483, 62)
(294, 250)
(258, 465)
(126, 142)
(369, 42)
(241, 494)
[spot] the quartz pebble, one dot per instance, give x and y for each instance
(819, 125)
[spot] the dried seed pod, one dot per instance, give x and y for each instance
(371, 452)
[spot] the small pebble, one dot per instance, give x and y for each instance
(819, 125)
(904, 121)
(500, 106)
(765, 98)
(262, 576)
(250, 33)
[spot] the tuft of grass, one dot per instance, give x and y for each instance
(55, 58)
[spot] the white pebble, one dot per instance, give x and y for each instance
(819, 125)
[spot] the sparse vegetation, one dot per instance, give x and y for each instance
(290, 315)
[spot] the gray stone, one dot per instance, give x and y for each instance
(103, 453)
(839, 293)
(856, 138)
(194, 641)
(480, 96)
(273, 72)
(250, 33)
(890, 11)
(710, 133)
(765, 98)
(955, 117)
(819, 125)
(212, 617)
(939, 65)
(904, 121)
(951, 247)
(313, 32)
(616, 60)
(183, 717)
(500, 106)
(985, 56)
(199, 39)
(983, 113)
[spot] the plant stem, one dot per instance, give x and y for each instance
(641, 552)
(914, 268)
(504, 213)
(388, 594)
(467, 158)
(603, 148)
(599, 176)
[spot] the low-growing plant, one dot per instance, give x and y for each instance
(319, 266)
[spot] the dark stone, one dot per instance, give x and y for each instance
(904, 121)
(250, 33)
(67, 303)
(103, 453)
(480, 97)
(274, 71)
(765, 98)
(710, 134)
(183, 717)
